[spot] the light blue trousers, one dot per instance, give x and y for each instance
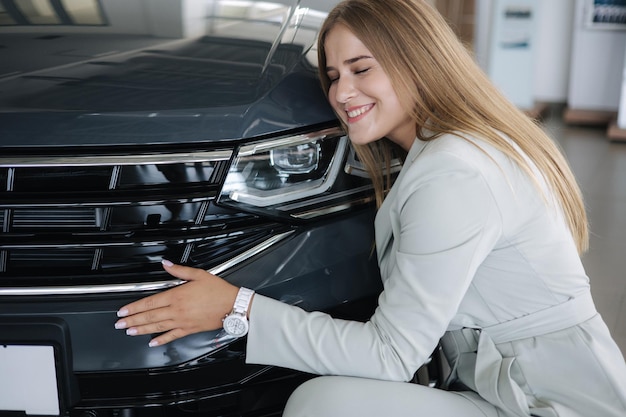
(331, 396)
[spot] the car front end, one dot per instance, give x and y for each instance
(212, 146)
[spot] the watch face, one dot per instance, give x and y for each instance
(235, 325)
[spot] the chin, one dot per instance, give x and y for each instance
(360, 139)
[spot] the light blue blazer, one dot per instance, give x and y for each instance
(471, 252)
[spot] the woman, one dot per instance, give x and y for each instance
(478, 243)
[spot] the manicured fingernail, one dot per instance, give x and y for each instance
(122, 313)
(131, 332)
(120, 325)
(153, 343)
(167, 263)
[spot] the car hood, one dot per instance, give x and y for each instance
(232, 79)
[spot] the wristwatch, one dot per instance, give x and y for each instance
(236, 323)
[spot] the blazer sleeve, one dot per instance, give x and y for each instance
(445, 221)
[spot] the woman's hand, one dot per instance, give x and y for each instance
(198, 305)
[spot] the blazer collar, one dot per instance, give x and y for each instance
(382, 223)
(416, 149)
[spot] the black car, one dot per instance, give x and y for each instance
(193, 131)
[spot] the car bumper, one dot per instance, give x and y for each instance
(326, 267)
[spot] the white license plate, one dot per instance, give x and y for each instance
(28, 380)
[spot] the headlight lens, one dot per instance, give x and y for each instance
(297, 159)
(300, 176)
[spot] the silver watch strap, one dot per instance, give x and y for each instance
(242, 302)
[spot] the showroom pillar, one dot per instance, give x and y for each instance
(512, 49)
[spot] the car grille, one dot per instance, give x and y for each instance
(110, 219)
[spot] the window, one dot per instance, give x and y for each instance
(51, 12)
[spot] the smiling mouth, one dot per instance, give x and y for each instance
(353, 115)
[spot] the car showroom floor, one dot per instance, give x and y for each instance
(600, 167)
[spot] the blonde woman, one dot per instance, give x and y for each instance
(478, 242)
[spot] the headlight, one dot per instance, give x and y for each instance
(300, 176)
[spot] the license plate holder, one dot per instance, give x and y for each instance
(40, 355)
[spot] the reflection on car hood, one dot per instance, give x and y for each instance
(238, 78)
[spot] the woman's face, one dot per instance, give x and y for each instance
(361, 92)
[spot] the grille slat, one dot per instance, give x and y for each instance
(4, 220)
(75, 218)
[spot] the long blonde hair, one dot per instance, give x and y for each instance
(445, 91)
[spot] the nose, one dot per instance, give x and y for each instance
(344, 90)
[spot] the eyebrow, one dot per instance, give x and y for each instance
(350, 61)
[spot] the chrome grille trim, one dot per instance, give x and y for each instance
(106, 202)
(142, 287)
(108, 160)
(91, 289)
